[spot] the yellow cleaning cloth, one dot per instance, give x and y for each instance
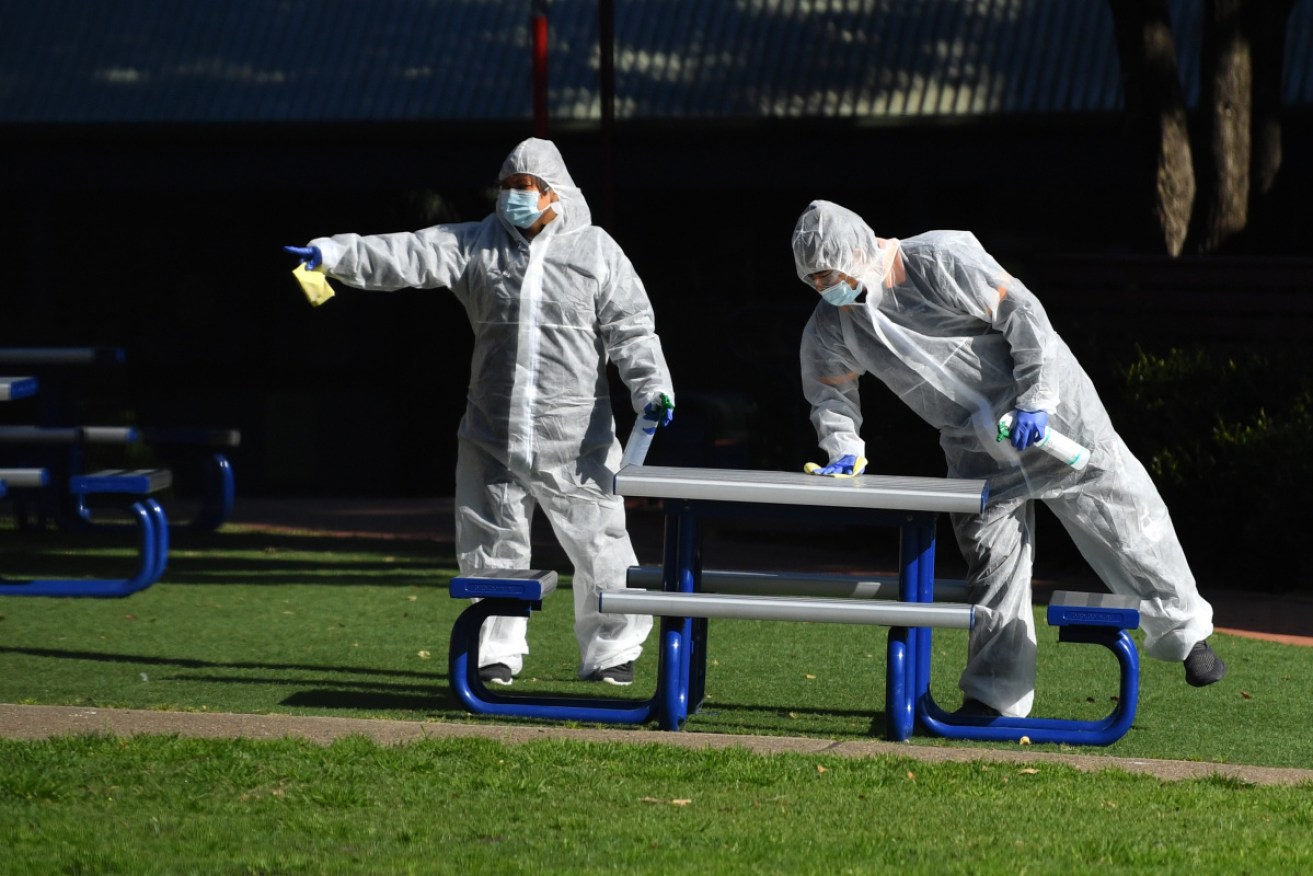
(313, 284)
(860, 466)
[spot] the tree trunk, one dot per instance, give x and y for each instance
(1225, 95)
(1156, 127)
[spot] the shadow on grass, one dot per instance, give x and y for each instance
(191, 663)
(246, 558)
(440, 699)
(756, 715)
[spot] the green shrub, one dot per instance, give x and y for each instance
(1227, 434)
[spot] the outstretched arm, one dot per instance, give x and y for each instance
(431, 258)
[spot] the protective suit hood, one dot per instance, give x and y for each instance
(542, 159)
(828, 237)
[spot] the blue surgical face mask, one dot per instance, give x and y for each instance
(519, 206)
(841, 293)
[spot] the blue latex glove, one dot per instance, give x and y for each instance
(1028, 427)
(311, 255)
(660, 413)
(844, 466)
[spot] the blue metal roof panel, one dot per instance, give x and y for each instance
(455, 60)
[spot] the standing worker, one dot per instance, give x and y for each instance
(551, 298)
(964, 343)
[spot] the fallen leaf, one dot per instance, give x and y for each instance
(412, 598)
(1030, 771)
(821, 769)
(1244, 694)
(424, 655)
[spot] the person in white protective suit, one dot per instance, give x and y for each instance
(962, 343)
(551, 298)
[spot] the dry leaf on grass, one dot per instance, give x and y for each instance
(680, 802)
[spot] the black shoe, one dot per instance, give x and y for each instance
(622, 675)
(1202, 666)
(971, 708)
(497, 673)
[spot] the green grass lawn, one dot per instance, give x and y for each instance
(302, 624)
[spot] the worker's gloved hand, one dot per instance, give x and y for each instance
(310, 255)
(843, 467)
(1028, 427)
(659, 412)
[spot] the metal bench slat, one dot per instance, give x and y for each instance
(1072, 608)
(137, 482)
(68, 434)
(13, 388)
(530, 585)
(24, 477)
(755, 583)
(843, 611)
(888, 492)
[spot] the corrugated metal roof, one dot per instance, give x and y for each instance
(462, 60)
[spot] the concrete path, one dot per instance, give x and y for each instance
(41, 722)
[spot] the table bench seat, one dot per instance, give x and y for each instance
(132, 491)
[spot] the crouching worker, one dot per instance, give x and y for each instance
(964, 343)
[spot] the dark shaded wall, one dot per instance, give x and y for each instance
(168, 242)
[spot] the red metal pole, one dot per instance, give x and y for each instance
(538, 27)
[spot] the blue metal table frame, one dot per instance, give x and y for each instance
(690, 496)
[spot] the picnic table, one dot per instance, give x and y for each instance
(690, 496)
(60, 445)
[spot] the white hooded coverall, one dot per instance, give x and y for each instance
(962, 342)
(547, 315)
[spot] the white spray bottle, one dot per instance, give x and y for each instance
(640, 437)
(1055, 445)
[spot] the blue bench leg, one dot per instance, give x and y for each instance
(463, 676)
(1067, 732)
(154, 553)
(220, 494)
(899, 714)
(673, 668)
